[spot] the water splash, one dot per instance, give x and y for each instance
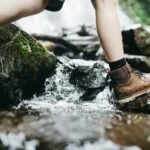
(17, 141)
(61, 95)
(100, 145)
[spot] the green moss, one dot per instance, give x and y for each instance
(26, 62)
(138, 10)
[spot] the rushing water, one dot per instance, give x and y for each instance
(58, 119)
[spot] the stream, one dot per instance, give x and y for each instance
(59, 119)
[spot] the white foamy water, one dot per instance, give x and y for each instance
(17, 141)
(100, 145)
(60, 95)
(64, 118)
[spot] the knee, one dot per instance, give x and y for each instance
(99, 3)
(35, 6)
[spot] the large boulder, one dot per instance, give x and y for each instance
(24, 65)
(141, 63)
(137, 41)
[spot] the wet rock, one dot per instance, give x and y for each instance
(83, 31)
(91, 51)
(138, 62)
(24, 65)
(59, 46)
(89, 76)
(75, 79)
(137, 41)
(49, 45)
(141, 63)
(140, 104)
(81, 43)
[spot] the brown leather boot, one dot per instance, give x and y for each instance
(128, 84)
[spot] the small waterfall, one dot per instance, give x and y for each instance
(60, 93)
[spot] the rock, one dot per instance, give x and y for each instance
(141, 63)
(91, 51)
(83, 31)
(49, 45)
(60, 46)
(80, 43)
(89, 77)
(24, 65)
(136, 41)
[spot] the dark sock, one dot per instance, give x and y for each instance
(117, 64)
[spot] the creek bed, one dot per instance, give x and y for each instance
(59, 120)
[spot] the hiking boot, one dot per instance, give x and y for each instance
(55, 5)
(128, 84)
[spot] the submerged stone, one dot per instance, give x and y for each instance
(24, 65)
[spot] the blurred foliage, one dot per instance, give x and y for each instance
(138, 10)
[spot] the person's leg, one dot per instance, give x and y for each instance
(127, 83)
(11, 10)
(109, 29)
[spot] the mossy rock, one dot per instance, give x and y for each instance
(24, 65)
(137, 41)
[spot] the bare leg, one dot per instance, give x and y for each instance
(11, 10)
(109, 29)
(127, 85)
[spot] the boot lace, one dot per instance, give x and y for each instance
(138, 73)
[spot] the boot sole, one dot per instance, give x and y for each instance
(132, 98)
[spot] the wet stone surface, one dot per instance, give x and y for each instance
(89, 77)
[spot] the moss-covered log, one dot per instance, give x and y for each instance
(24, 65)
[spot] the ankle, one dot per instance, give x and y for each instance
(120, 75)
(117, 64)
